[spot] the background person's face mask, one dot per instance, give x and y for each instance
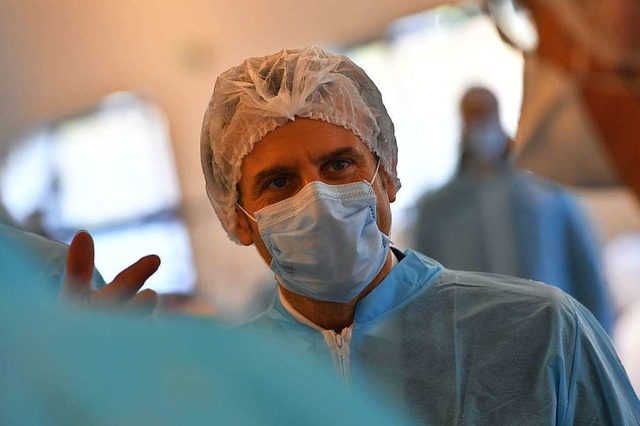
(485, 141)
(324, 241)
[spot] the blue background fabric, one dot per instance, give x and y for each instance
(472, 348)
(61, 366)
(514, 224)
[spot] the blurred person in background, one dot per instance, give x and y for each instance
(299, 157)
(580, 118)
(495, 218)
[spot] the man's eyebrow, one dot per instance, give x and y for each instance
(343, 152)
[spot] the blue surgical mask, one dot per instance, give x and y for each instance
(485, 141)
(324, 241)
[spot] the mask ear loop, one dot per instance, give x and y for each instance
(252, 218)
(373, 179)
(246, 212)
(375, 174)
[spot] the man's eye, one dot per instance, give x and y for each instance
(339, 165)
(278, 183)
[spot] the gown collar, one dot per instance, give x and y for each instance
(412, 274)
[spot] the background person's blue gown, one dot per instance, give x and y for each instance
(514, 223)
(472, 348)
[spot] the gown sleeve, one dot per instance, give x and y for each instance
(598, 390)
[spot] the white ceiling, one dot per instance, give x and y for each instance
(58, 57)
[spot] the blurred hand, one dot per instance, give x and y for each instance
(121, 293)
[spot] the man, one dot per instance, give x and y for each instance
(494, 218)
(299, 157)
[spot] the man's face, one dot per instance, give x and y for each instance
(298, 153)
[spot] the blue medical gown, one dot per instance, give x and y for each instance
(473, 348)
(59, 366)
(46, 265)
(516, 224)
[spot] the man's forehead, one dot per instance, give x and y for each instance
(304, 139)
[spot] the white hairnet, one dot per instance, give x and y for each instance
(264, 93)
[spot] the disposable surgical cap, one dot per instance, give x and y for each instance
(264, 93)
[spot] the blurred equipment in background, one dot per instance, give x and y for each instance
(580, 121)
(111, 171)
(494, 218)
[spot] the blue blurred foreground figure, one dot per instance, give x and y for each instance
(67, 367)
(494, 218)
(299, 157)
(47, 260)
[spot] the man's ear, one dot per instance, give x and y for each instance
(389, 185)
(243, 228)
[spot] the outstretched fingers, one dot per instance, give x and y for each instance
(122, 292)
(127, 283)
(79, 267)
(143, 303)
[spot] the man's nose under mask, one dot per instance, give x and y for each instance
(324, 241)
